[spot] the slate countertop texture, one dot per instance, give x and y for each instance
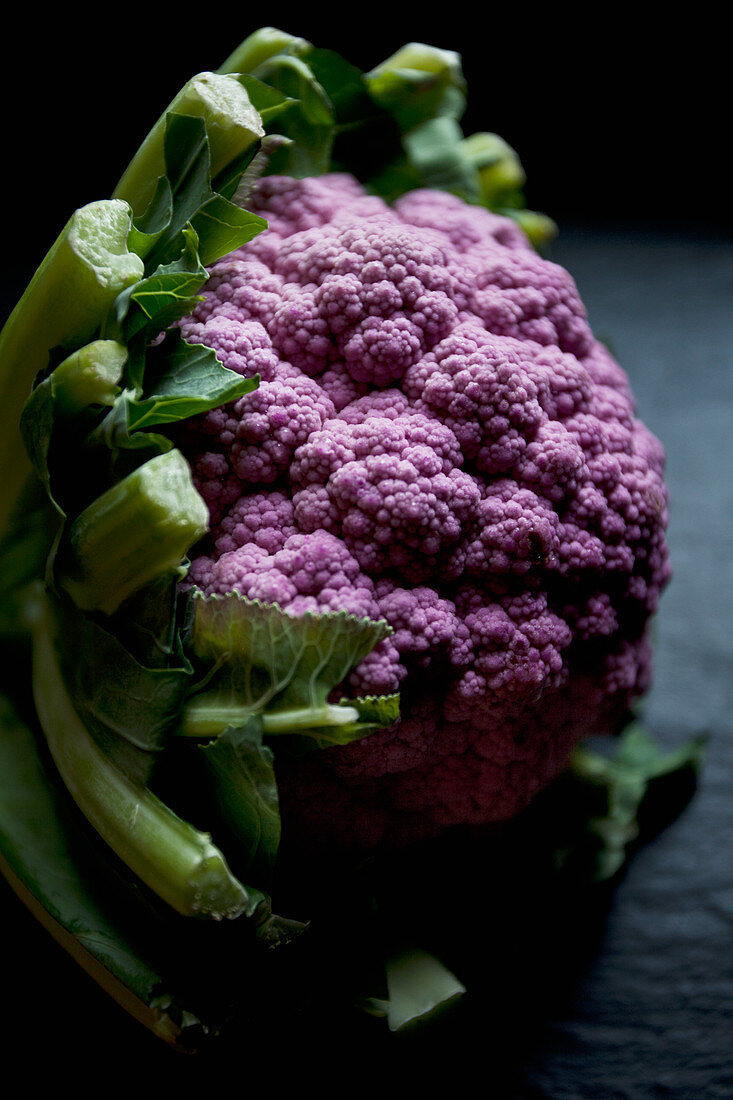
(652, 1015)
(646, 1007)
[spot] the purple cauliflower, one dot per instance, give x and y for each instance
(438, 440)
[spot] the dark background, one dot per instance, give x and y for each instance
(622, 125)
(617, 117)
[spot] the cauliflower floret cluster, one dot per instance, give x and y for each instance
(438, 440)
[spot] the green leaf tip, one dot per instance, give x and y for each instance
(419, 82)
(182, 380)
(89, 376)
(499, 168)
(624, 782)
(359, 718)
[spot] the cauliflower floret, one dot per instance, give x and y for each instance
(515, 531)
(438, 440)
(252, 441)
(264, 518)
(241, 346)
(391, 487)
(467, 228)
(520, 294)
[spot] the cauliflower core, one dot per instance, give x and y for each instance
(438, 440)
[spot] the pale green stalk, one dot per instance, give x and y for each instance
(179, 863)
(232, 126)
(65, 305)
(132, 534)
(260, 47)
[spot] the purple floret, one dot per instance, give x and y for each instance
(241, 346)
(468, 229)
(292, 205)
(515, 531)
(438, 440)
(520, 294)
(391, 487)
(315, 567)
(264, 518)
(273, 422)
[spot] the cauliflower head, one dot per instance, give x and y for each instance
(438, 440)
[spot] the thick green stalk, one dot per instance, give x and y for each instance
(418, 984)
(418, 57)
(179, 863)
(419, 83)
(232, 126)
(260, 47)
(132, 534)
(65, 305)
(499, 168)
(89, 376)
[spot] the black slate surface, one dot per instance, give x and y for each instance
(652, 1016)
(628, 1003)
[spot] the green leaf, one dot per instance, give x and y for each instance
(24, 550)
(65, 306)
(220, 226)
(395, 178)
(174, 975)
(373, 712)
(623, 782)
(260, 47)
(310, 125)
(540, 229)
(69, 883)
(410, 985)
(242, 769)
(269, 102)
(170, 379)
(500, 172)
(132, 714)
(284, 667)
(268, 673)
(325, 98)
(150, 227)
(88, 377)
(365, 715)
(119, 450)
(160, 299)
(185, 202)
(53, 424)
(182, 380)
(435, 151)
(345, 86)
